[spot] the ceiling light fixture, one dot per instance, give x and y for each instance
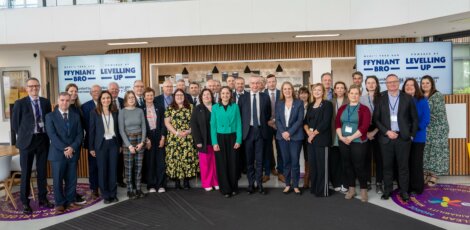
(247, 69)
(279, 68)
(315, 35)
(185, 71)
(215, 70)
(126, 43)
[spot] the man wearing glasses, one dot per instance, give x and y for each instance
(396, 117)
(28, 122)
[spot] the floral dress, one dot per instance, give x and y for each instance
(181, 156)
(436, 150)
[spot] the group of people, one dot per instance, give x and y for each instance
(224, 131)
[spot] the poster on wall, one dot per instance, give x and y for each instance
(408, 60)
(86, 71)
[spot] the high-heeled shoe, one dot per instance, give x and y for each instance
(286, 190)
(297, 191)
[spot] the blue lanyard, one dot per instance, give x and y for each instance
(349, 112)
(395, 105)
(370, 103)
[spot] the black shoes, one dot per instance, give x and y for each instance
(45, 204)
(177, 184)
(186, 184)
(404, 196)
(261, 190)
(250, 189)
(131, 195)
(385, 196)
(122, 184)
(27, 209)
(139, 194)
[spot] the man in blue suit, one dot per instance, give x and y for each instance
(269, 160)
(65, 131)
(86, 108)
(255, 112)
(28, 120)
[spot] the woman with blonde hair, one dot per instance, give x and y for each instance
(318, 128)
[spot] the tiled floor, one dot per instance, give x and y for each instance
(273, 182)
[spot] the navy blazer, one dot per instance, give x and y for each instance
(96, 130)
(234, 96)
(121, 103)
(86, 110)
(61, 138)
(161, 128)
(295, 121)
(23, 119)
(264, 113)
(407, 116)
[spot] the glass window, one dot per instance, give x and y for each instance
(3, 4)
(461, 68)
(13, 88)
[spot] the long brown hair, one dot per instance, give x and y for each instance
(282, 98)
(418, 94)
(433, 85)
(99, 106)
(186, 103)
(126, 98)
(77, 101)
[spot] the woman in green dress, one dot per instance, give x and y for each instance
(436, 150)
(181, 156)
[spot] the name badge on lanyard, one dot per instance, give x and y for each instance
(348, 129)
(41, 124)
(394, 118)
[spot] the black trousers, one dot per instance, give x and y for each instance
(154, 163)
(416, 168)
(354, 156)
(254, 147)
(106, 158)
(318, 163)
(227, 161)
(93, 177)
(373, 149)
(336, 167)
(120, 168)
(39, 147)
(398, 150)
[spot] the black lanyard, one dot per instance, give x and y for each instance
(395, 105)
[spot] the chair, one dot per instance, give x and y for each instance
(5, 167)
(16, 169)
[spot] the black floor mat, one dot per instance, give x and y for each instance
(197, 209)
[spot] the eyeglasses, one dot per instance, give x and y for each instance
(33, 86)
(391, 82)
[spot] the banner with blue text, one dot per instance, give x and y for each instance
(408, 60)
(86, 71)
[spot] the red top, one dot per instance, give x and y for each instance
(364, 119)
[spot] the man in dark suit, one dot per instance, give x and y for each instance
(396, 117)
(194, 90)
(65, 131)
(255, 113)
(181, 84)
(239, 92)
(113, 88)
(269, 161)
(139, 93)
(86, 108)
(28, 122)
